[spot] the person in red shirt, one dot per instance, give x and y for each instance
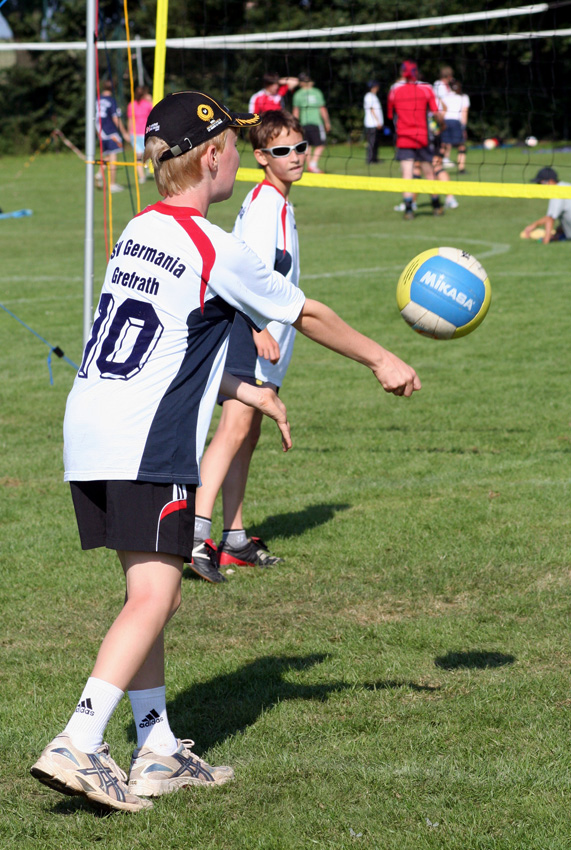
(273, 93)
(409, 104)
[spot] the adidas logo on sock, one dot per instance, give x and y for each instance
(84, 707)
(151, 718)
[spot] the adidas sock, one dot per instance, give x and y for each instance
(92, 714)
(202, 528)
(150, 713)
(235, 537)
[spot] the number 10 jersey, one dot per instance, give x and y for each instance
(142, 401)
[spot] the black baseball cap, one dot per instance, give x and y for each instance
(545, 174)
(186, 119)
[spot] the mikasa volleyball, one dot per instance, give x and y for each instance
(444, 293)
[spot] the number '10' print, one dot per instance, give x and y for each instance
(121, 342)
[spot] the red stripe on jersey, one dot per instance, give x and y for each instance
(179, 505)
(255, 194)
(205, 247)
(284, 215)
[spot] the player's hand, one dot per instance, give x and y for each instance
(270, 404)
(266, 346)
(396, 376)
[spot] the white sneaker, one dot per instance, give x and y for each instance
(116, 188)
(152, 774)
(447, 163)
(451, 203)
(402, 207)
(68, 770)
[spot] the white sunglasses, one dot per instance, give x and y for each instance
(284, 150)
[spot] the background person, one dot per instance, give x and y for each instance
(271, 96)
(409, 104)
(309, 107)
(112, 133)
(137, 114)
(558, 209)
(373, 121)
(455, 108)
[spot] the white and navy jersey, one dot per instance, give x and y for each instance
(266, 223)
(142, 400)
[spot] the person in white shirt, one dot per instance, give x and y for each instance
(456, 107)
(135, 426)
(373, 121)
(558, 209)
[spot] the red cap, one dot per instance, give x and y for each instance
(409, 70)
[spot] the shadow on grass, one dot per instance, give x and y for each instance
(218, 709)
(475, 659)
(295, 523)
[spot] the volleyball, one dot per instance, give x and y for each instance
(531, 142)
(444, 293)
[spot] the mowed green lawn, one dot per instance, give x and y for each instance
(402, 680)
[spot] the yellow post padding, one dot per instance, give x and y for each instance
(160, 50)
(436, 187)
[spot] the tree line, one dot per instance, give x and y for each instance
(517, 88)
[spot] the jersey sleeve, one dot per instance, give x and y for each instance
(259, 227)
(241, 278)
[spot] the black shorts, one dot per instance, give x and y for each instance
(418, 154)
(135, 516)
(314, 134)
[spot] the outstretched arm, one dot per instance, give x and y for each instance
(323, 325)
(263, 399)
(545, 221)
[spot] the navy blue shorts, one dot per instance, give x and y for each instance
(135, 516)
(453, 133)
(419, 154)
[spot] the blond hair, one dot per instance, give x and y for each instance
(177, 175)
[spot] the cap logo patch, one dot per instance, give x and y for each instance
(205, 112)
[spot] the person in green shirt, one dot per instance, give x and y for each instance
(309, 107)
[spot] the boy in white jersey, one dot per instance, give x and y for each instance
(135, 425)
(266, 224)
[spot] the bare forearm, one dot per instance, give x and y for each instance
(323, 325)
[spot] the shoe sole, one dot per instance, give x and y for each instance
(168, 786)
(48, 774)
(218, 580)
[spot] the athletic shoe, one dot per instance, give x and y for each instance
(447, 163)
(314, 169)
(408, 215)
(438, 211)
(152, 774)
(204, 562)
(253, 554)
(98, 180)
(402, 207)
(64, 768)
(116, 188)
(451, 204)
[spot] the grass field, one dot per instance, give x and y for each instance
(402, 680)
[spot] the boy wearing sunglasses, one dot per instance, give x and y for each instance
(266, 224)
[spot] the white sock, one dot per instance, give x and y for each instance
(92, 714)
(150, 713)
(235, 537)
(202, 528)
